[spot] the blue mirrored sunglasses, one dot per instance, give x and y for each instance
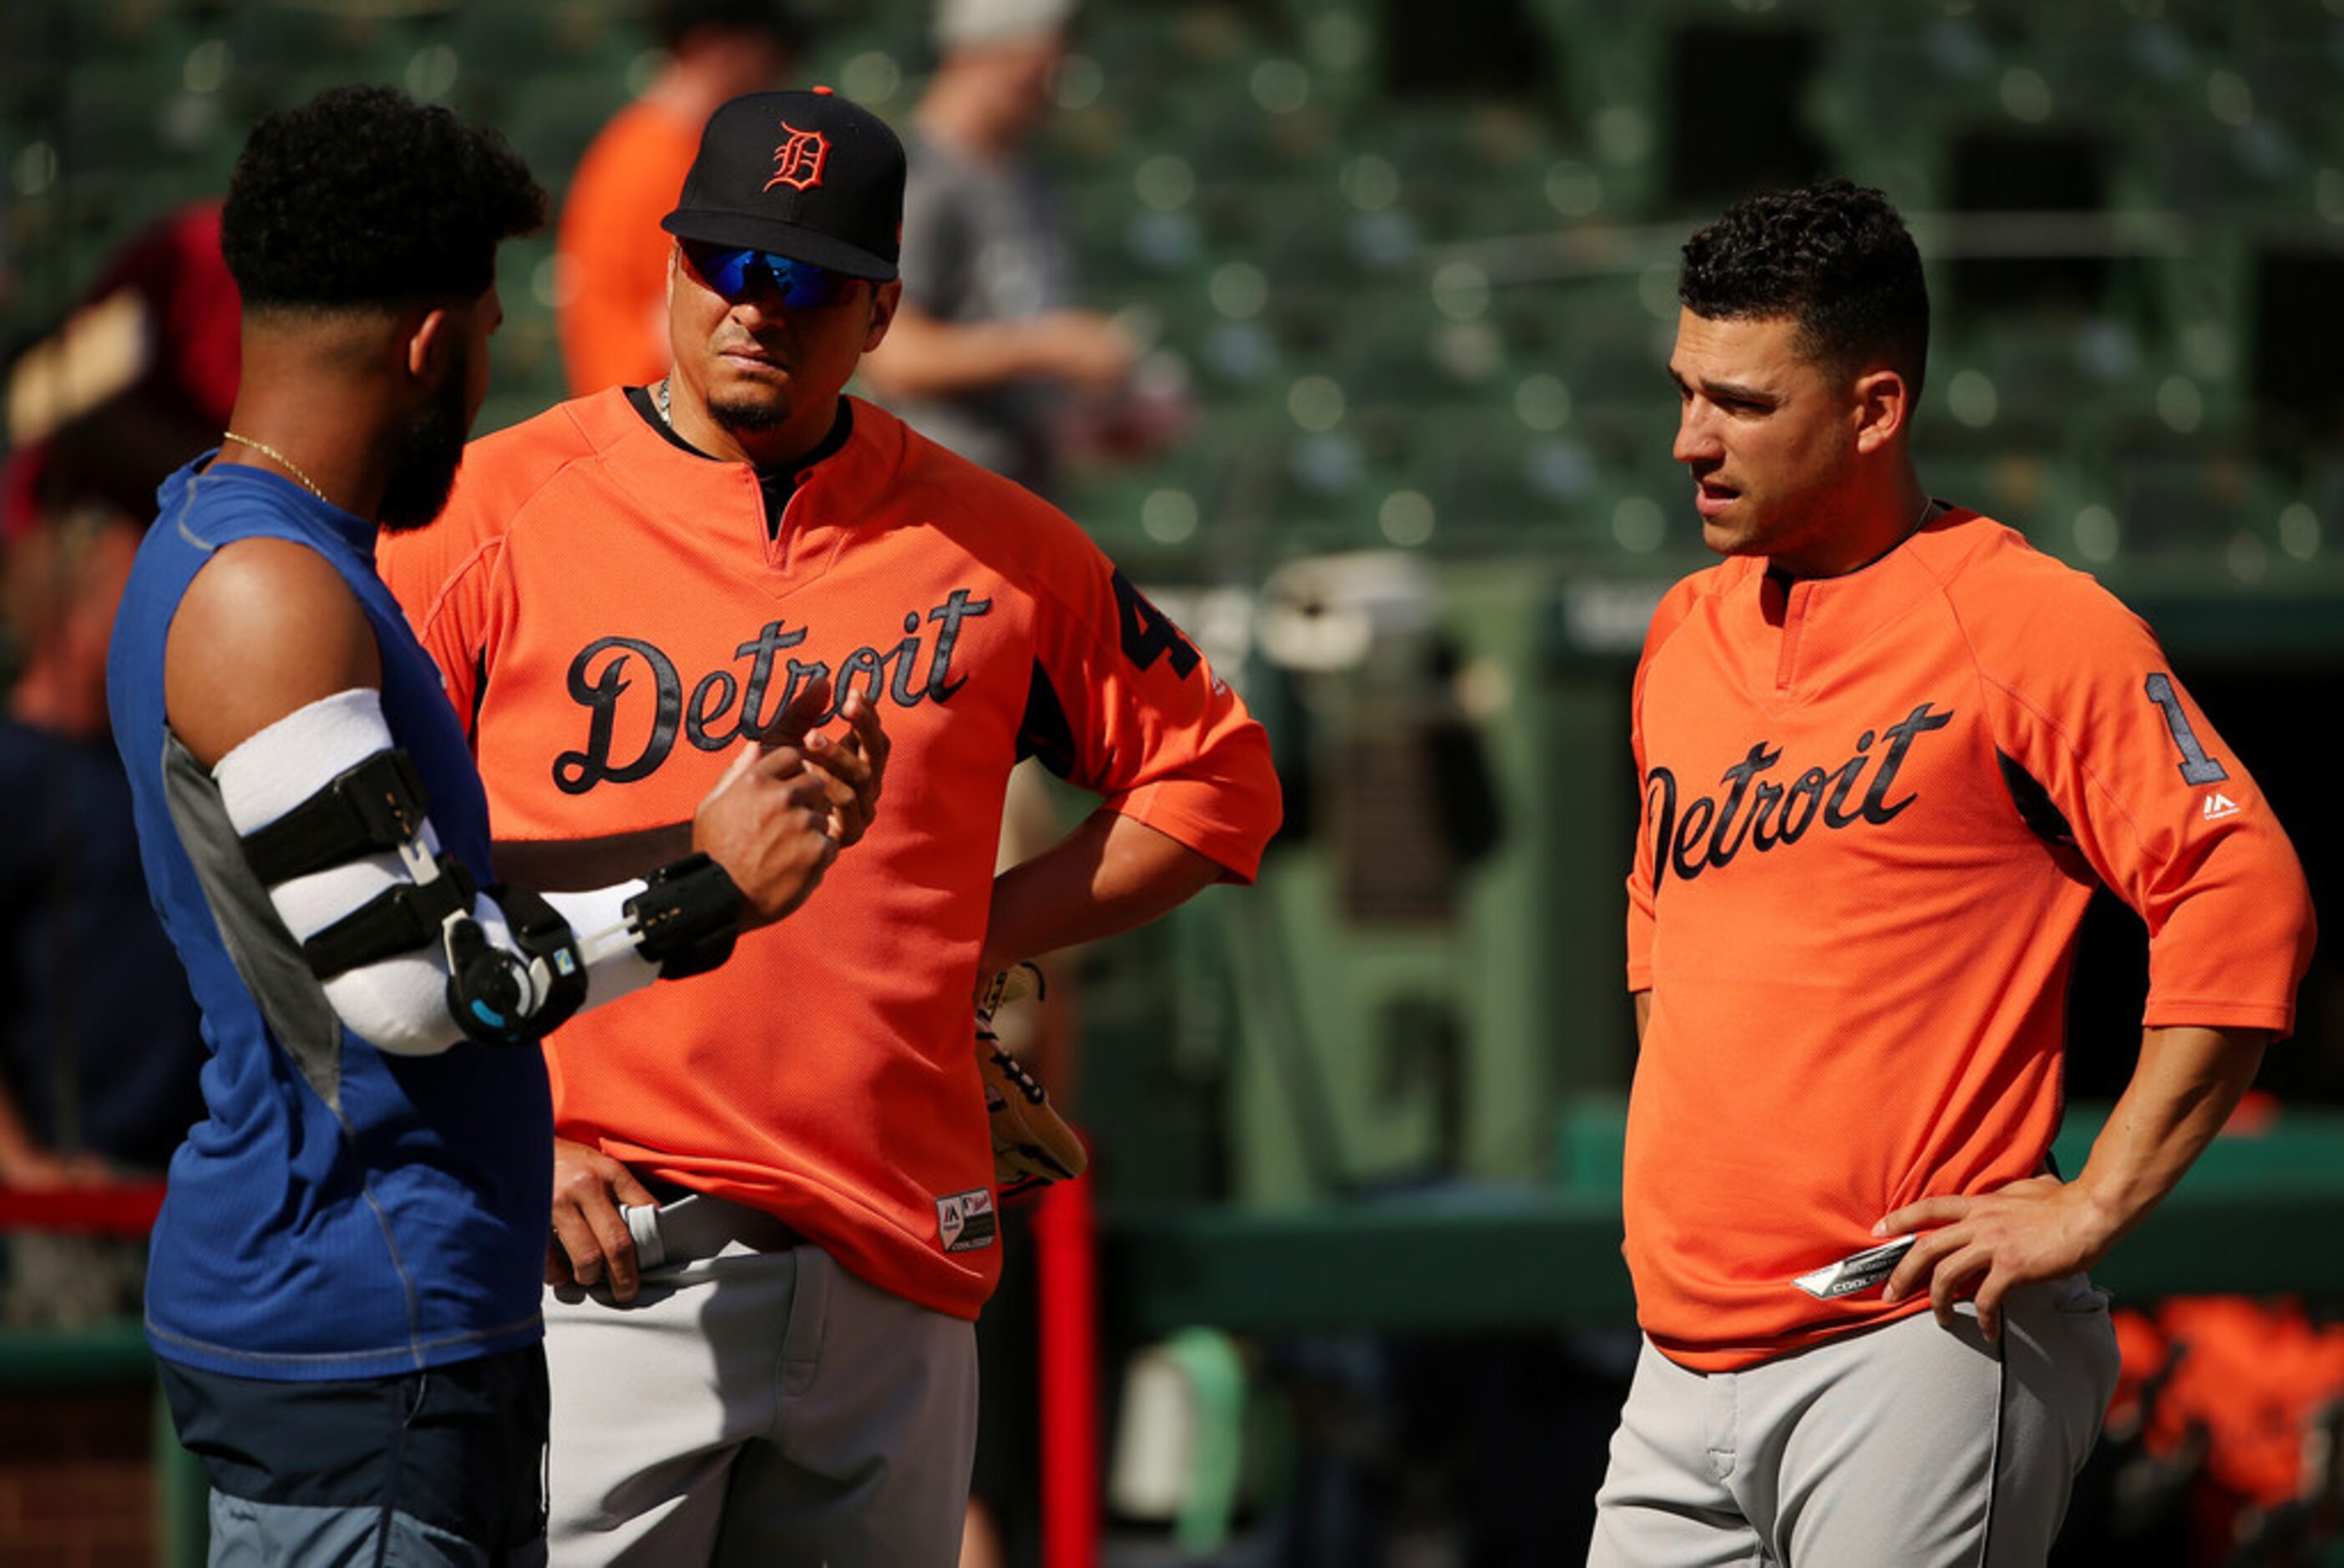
(736, 275)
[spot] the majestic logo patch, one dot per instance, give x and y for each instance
(798, 162)
(965, 1221)
(2219, 805)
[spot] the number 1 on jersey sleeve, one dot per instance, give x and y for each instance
(2196, 768)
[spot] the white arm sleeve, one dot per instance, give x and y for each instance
(398, 1004)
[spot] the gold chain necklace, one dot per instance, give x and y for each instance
(288, 464)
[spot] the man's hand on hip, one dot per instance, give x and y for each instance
(1986, 1246)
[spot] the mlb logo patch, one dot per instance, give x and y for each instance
(965, 1220)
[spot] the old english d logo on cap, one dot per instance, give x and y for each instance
(797, 162)
(810, 176)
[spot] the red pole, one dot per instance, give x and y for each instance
(1065, 1266)
(107, 1208)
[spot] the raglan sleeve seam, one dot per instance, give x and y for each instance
(490, 546)
(478, 560)
(2017, 698)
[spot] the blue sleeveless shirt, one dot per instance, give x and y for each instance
(340, 1212)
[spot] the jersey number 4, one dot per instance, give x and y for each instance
(1148, 633)
(2196, 768)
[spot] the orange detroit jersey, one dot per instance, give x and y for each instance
(1875, 807)
(610, 613)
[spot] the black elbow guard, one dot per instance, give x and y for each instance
(502, 998)
(686, 919)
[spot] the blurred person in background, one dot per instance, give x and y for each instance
(991, 355)
(98, 1048)
(613, 255)
(138, 380)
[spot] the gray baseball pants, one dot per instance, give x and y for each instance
(759, 1406)
(1912, 1444)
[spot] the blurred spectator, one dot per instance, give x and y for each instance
(137, 381)
(613, 255)
(98, 1050)
(988, 354)
(99, 1045)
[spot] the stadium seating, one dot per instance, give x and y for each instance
(1237, 178)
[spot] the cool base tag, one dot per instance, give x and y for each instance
(965, 1220)
(1856, 1271)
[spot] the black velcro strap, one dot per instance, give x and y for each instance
(398, 920)
(686, 919)
(371, 806)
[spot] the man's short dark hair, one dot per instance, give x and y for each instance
(672, 21)
(363, 197)
(1835, 257)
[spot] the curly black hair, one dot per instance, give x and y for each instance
(364, 198)
(1835, 257)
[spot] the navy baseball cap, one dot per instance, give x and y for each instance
(806, 175)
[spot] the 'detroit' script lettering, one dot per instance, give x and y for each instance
(1764, 814)
(722, 705)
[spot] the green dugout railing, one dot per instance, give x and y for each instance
(2257, 1215)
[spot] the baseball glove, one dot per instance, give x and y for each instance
(1032, 1146)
